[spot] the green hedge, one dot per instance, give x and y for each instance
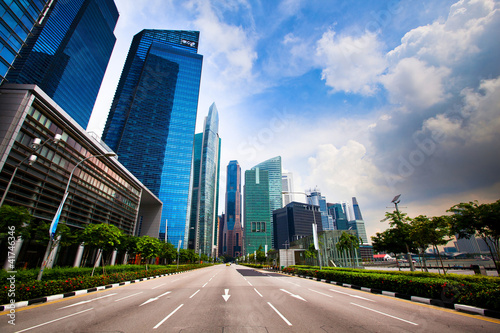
(26, 289)
(477, 291)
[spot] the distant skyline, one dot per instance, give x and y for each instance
(360, 99)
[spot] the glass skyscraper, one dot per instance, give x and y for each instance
(206, 156)
(257, 223)
(232, 239)
(152, 120)
(67, 54)
(273, 166)
(18, 19)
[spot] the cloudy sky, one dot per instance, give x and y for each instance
(360, 98)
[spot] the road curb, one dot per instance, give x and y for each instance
(417, 299)
(51, 298)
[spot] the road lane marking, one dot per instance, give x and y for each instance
(293, 295)
(52, 321)
(321, 293)
(204, 285)
(282, 317)
(87, 301)
(355, 296)
(128, 296)
(226, 295)
(258, 292)
(155, 298)
(249, 283)
(194, 293)
(164, 319)
(385, 314)
(159, 285)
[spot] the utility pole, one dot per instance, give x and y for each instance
(395, 201)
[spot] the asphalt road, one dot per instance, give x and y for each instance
(239, 299)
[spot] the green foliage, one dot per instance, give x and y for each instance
(311, 252)
(483, 292)
(17, 217)
(261, 256)
(102, 236)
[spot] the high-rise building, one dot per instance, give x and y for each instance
(232, 232)
(18, 19)
(339, 216)
(152, 120)
(273, 167)
(257, 212)
(205, 189)
(287, 188)
(66, 55)
(357, 211)
(315, 198)
(294, 222)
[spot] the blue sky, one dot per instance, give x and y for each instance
(359, 98)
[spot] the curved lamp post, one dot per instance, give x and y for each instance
(315, 227)
(37, 145)
(55, 221)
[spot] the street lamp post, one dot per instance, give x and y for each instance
(55, 221)
(315, 226)
(395, 201)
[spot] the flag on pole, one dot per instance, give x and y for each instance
(55, 221)
(315, 236)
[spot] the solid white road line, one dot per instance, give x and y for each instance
(282, 317)
(385, 314)
(250, 283)
(88, 301)
(321, 293)
(49, 322)
(128, 296)
(159, 286)
(204, 285)
(355, 296)
(164, 319)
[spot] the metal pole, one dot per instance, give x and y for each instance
(408, 255)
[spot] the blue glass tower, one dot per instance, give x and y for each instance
(152, 120)
(18, 19)
(68, 53)
(203, 222)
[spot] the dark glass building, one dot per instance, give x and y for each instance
(152, 120)
(17, 21)
(67, 54)
(232, 234)
(294, 222)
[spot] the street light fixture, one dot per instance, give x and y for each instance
(35, 146)
(395, 201)
(55, 221)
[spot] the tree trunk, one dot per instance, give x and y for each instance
(440, 259)
(99, 256)
(492, 252)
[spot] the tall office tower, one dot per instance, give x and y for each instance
(287, 188)
(67, 54)
(357, 211)
(152, 120)
(293, 222)
(273, 166)
(257, 212)
(339, 216)
(18, 19)
(222, 219)
(315, 198)
(205, 189)
(232, 233)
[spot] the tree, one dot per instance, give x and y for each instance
(261, 256)
(168, 252)
(104, 237)
(348, 242)
(311, 252)
(13, 217)
(149, 247)
(474, 220)
(390, 241)
(400, 222)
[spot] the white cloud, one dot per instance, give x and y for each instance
(349, 63)
(414, 84)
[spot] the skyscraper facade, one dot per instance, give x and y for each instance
(273, 167)
(315, 198)
(18, 19)
(67, 54)
(287, 188)
(152, 120)
(257, 212)
(203, 222)
(232, 233)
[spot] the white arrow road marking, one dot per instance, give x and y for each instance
(88, 301)
(226, 296)
(155, 298)
(296, 296)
